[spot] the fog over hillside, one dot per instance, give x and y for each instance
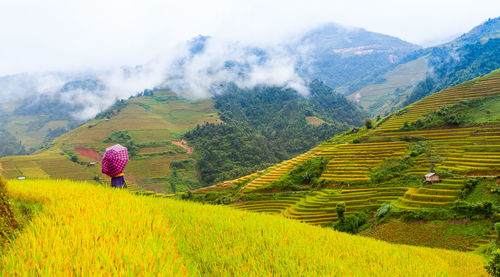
(130, 47)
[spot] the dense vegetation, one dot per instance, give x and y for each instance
(341, 56)
(9, 145)
(8, 224)
(265, 125)
(305, 174)
(463, 113)
(453, 66)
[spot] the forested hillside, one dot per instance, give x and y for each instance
(371, 181)
(233, 134)
(340, 55)
(471, 61)
(430, 70)
(266, 125)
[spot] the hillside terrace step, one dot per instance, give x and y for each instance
(429, 197)
(424, 204)
(343, 176)
(445, 186)
(430, 191)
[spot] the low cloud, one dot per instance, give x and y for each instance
(195, 75)
(193, 70)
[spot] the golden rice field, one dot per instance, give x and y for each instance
(88, 230)
(150, 120)
(465, 151)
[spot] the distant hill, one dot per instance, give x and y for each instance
(341, 55)
(454, 133)
(235, 133)
(429, 70)
(266, 125)
(150, 126)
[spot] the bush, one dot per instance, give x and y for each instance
(493, 267)
(307, 173)
(418, 148)
(368, 123)
(351, 223)
(407, 127)
(182, 164)
(469, 186)
(497, 229)
(383, 210)
(484, 209)
(434, 214)
(8, 223)
(390, 169)
(340, 210)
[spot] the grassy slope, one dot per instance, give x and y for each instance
(82, 230)
(19, 127)
(402, 77)
(464, 150)
(158, 119)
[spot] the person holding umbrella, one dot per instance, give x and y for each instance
(113, 163)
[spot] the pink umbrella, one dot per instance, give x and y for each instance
(114, 160)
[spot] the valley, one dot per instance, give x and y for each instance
(385, 165)
(250, 143)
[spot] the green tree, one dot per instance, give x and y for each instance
(341, 211)
(493, 267)
(368, 123)
(497, 228)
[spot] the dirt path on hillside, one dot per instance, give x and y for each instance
(89, 153)
(183, 143)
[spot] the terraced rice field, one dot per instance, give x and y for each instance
(436, 195)
(352, 162)
(320, 208)
(480, 87)
(81, 230)
(275, 172)
(152, 121)
(214, 188)
(45, 165)
(269, 205)
(462, 151)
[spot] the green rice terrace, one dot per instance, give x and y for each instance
(150, 126)
(374, 176)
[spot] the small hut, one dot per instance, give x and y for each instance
(432, 178)
(92, 164)
(21, 177)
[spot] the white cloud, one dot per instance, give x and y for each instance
(61, 35)
(100, 36)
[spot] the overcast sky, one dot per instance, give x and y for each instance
(40, 35)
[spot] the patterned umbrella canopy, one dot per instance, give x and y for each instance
(114, 160)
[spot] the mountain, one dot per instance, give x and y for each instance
(430, 70)
(381, 72)
(490, 29)
(40, 106)
(237, 132)
(266, 125)
(40, 117)
(353, 180)
(341, 55)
